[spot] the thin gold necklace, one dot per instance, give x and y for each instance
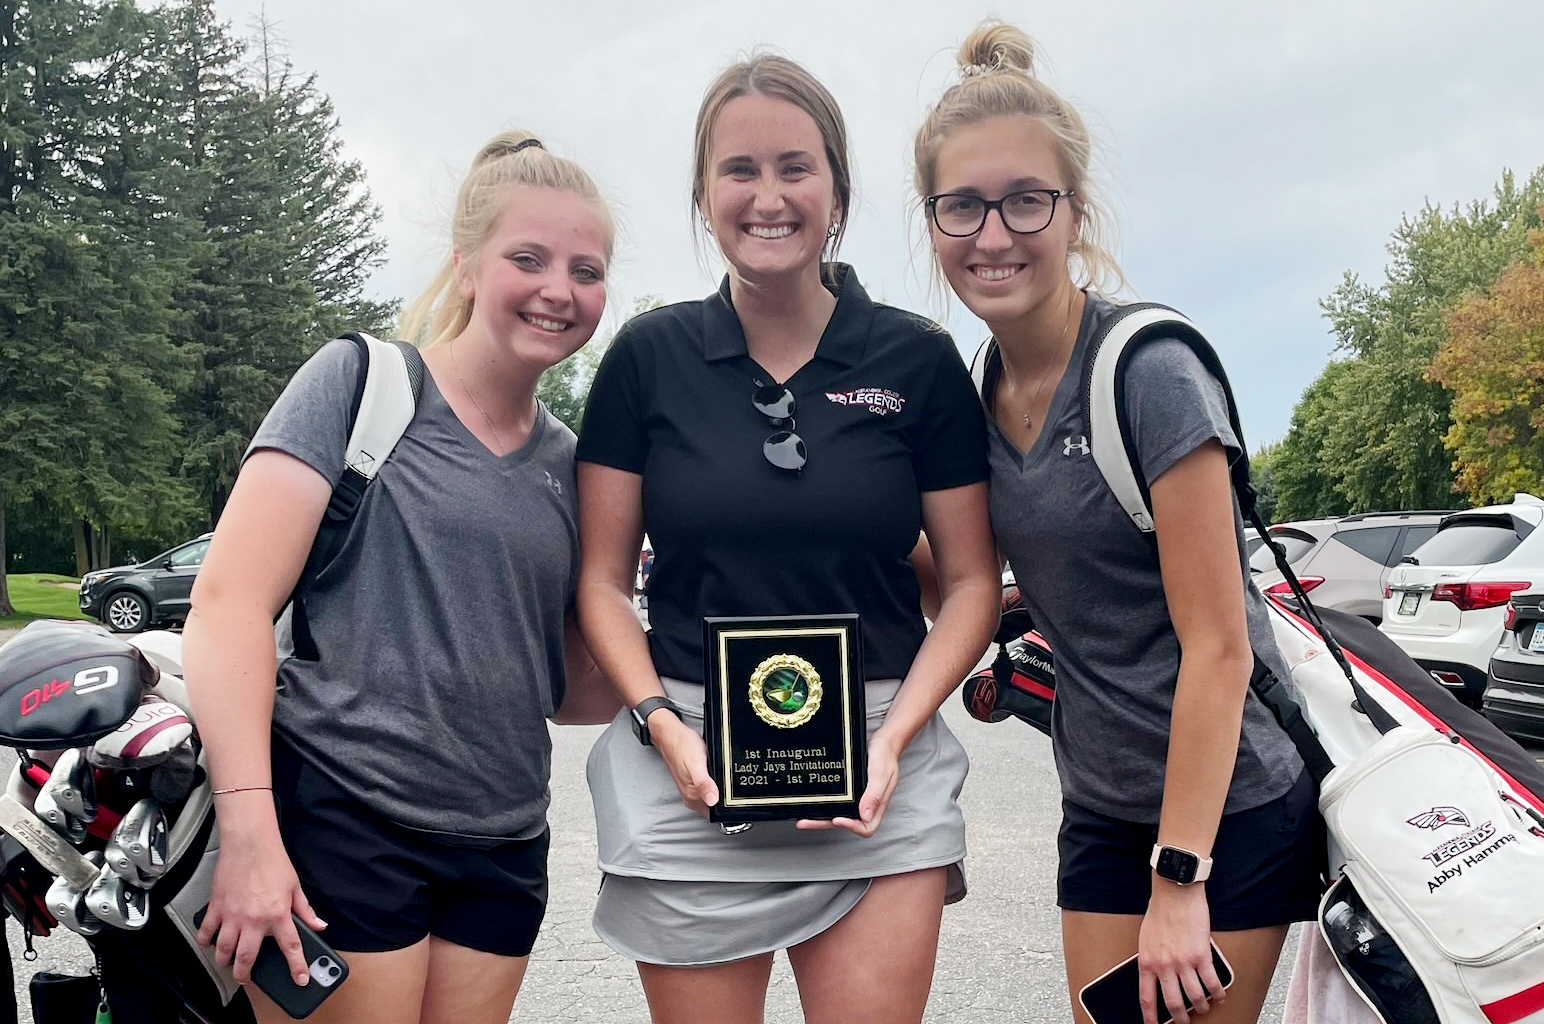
(486, 418)
(1066, 326)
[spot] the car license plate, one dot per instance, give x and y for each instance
(1536, 645)
(1409, 601)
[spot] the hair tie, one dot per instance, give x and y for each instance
(526, 143)
(968, 71)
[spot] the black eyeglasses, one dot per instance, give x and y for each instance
(961, 214)
(784, 449)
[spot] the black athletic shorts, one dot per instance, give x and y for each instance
(383, 886)
(1265, 870)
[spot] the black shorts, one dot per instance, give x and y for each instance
(1266, 863)
(383, 886)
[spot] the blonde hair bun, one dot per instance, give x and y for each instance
(996, 46)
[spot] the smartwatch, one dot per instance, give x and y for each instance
(641, 713)
(1180, 866)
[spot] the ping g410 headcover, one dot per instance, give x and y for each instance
(66, 684)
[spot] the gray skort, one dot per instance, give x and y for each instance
(679, 892)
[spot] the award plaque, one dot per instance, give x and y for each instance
(783, 717)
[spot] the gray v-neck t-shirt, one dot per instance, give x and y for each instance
(439, 625)
(1091, 581)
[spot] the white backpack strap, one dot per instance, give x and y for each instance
(391, 379)
(1106, 402)
(385, 408)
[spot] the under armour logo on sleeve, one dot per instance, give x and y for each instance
(1078, 444)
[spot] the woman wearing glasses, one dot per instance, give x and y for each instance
(782, 441)
(1186, 809)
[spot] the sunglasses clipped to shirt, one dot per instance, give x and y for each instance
(783, 448)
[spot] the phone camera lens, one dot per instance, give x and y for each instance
(333, 972)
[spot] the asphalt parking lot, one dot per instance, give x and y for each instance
(999, 960)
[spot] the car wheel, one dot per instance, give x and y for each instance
(126, 612)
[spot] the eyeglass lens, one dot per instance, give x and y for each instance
(783, 449)
(1025, 213)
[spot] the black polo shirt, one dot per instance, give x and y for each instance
(886, 410)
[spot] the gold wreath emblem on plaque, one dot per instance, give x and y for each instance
(785, 691)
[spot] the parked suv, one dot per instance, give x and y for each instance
(1446, 605)
(1514, 693)
(1344, 562)
(130, 598)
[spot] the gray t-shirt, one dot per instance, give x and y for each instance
(1091, 581)
(439, 625)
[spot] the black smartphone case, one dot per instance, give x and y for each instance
(270, 972)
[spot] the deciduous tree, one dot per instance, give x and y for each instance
(1492, 361)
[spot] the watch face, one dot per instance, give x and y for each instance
(1177, 865)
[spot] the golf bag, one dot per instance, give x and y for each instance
(111, 816)
(1434, 907)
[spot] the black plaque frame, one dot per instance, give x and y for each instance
(757, 764)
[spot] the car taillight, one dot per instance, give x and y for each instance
(1470, 597)
(1511, 618)
(1388, 592)
(1284, 589)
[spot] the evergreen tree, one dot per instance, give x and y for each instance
(83, 304)
(292, 239)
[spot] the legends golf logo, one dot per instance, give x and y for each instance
(879, 401)
(1461, 851)
(1439, 816)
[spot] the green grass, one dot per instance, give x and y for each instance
(35, 596)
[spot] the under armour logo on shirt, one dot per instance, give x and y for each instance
(552, 483)
(1078, 444)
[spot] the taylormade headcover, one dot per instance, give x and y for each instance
(1021, 683)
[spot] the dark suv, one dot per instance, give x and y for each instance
(1514, 693)
(130, 598)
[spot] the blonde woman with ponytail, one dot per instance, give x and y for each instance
(393, 788)
(1187, 815)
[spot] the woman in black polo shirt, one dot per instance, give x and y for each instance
(813, 512)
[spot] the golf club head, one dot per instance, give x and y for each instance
(137, 850)
(173, 779)
(69, 907)
(72, 785)
(118, 903)
(62, 821)
(149, 736)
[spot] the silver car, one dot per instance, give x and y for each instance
(1344, 563)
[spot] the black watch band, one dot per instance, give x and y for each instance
(645, 708)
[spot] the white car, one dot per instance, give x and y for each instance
(1446, 603)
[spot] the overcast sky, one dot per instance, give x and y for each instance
(1253, 153)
